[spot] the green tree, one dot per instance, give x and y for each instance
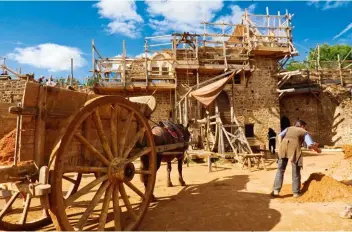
(330, 52)
(62, 81)
(327, 53)
(295, 65)
(91, 81)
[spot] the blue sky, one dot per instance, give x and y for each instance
(41, 37)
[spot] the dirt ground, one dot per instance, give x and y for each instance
(230, 198)
(233, 199)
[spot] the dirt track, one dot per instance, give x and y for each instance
(233, 199)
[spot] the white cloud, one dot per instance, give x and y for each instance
(123, 15)
(343, 31)
(142, 55)
(326, 5)
(52, 57)
(306, 40)
(236, 14)
(178, 15)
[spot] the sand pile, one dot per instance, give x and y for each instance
(347, 150)
(322, 188)
(7, 148)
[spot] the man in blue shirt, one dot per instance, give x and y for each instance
(290, 149)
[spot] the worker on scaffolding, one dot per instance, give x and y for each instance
(41, 80)
(290, 149)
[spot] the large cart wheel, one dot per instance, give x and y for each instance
(75, 180)
(103, 141)
(23, 212)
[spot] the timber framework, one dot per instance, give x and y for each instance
(221, 47)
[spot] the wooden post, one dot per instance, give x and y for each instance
(93, 60)
(174, 46)
(40, 128)
(279, 23)
(207, 130)
(175, 100)
(180, 112)
(268, 19)
(233, 101)
(340, 71)
(247, 28)
(124, 62)
(318, 65)
(204, 36)
(196, 47)
(224, 46)
(146, 61)
(71, 72)
(198, 103)
(209, 162)
(186, 112)
(18, 134)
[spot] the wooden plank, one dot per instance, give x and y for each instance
(39, 135)
(169, 147)
(30, 96)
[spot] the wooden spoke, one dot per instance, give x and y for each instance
(128, 149)
(102, 136)
(69, 179)
(117, 209)
(135, 189)
(9, 204)
(124, 133)
(127, 202)
(82, 221)
(25, 209)
(113, 125)
(105, 208)
(139, 153)
(85, 190)
(84, 169)
(143, 172)
(92, 149)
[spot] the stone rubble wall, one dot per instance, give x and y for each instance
(329, 120)
(11, 93)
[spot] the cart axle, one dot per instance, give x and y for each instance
(120, 170)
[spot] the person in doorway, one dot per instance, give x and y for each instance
(290, 150)
(272, 140)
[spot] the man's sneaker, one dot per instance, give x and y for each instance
(296, 195)
(275, 193)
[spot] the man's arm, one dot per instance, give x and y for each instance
(282, 135)
(311, 144)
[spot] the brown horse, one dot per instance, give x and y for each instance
(164, 134)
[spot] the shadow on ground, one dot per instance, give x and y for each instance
(217, 205)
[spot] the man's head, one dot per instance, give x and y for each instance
(301, 123)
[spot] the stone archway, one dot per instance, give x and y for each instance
(284, 122)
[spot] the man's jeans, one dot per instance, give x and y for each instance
(296, 176)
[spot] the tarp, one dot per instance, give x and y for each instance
(207, 94)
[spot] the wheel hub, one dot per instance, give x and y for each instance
(120, 170)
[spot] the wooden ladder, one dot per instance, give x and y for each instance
(239, 144)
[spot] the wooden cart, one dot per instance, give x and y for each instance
(76, 161)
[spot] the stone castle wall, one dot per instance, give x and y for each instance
(11, 92)
(329, 119)
(256, 102)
